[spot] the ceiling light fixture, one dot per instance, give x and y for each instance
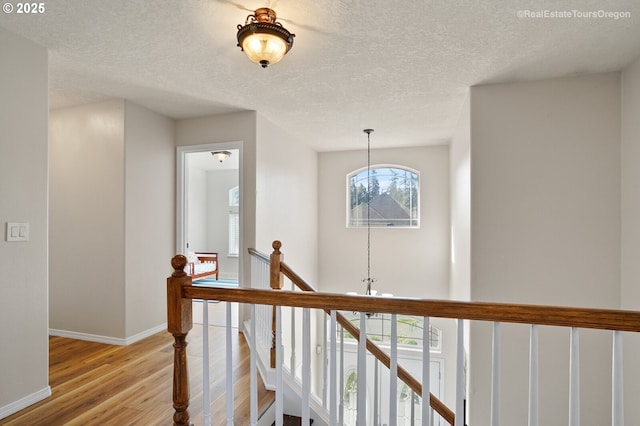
(264, 40)
(221, 155)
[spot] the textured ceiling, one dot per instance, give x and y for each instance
(401, 67)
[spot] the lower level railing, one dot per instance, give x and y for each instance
(267, 272)
(180, 294)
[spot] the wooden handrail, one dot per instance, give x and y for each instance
(180, 292)
(607, 319)
(259, 255)
(602, 319)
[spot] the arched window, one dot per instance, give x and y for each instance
(351, 399)
(389, 194)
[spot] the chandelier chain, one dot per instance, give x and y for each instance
(368, 280)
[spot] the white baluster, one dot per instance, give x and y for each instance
(229, 368)
(460, 375)
(325, 360)
(413, 409)
(393, 373)
(617, 394)
(279, 356)
(574, 379)
(253, 359)
(293, 336)
(206, 397)
(427, 413)
(306, 364)
(362, 373)
(333, 374)
(376, 393)
(495, 376)
(533, 376)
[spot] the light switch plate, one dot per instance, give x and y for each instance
(17, 231)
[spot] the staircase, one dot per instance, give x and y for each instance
(288, 420)
(180, 294)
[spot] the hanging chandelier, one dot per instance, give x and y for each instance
(368, 280)
(262, 39)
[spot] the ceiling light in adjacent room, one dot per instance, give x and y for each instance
(221, 155)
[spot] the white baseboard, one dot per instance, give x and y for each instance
(108, 339)
(22, 403)
(146, 333)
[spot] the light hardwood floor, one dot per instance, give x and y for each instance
(98, 384)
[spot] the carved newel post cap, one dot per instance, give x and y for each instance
(178, 262)
(276, 246)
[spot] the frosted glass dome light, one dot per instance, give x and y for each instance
(264, 40)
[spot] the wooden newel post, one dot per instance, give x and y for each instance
(276, 278)
(276, 281)
(179, 322)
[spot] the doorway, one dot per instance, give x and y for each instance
(209, 216)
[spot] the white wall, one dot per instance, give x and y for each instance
(406, 262)
(234, 127)
(87, 233)
(287, 210)
(112, 215)
(149, 216)
(287, 202)
(545, 229)
(23, 191)
(197, 209)
(460, 179)
(460, 276)
(219, 182)
(630, 294)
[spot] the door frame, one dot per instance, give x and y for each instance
(182, 190)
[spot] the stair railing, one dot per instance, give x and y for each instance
(279, 269)
(180, 294)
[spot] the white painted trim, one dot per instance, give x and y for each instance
(108, 339)
(23, 403)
